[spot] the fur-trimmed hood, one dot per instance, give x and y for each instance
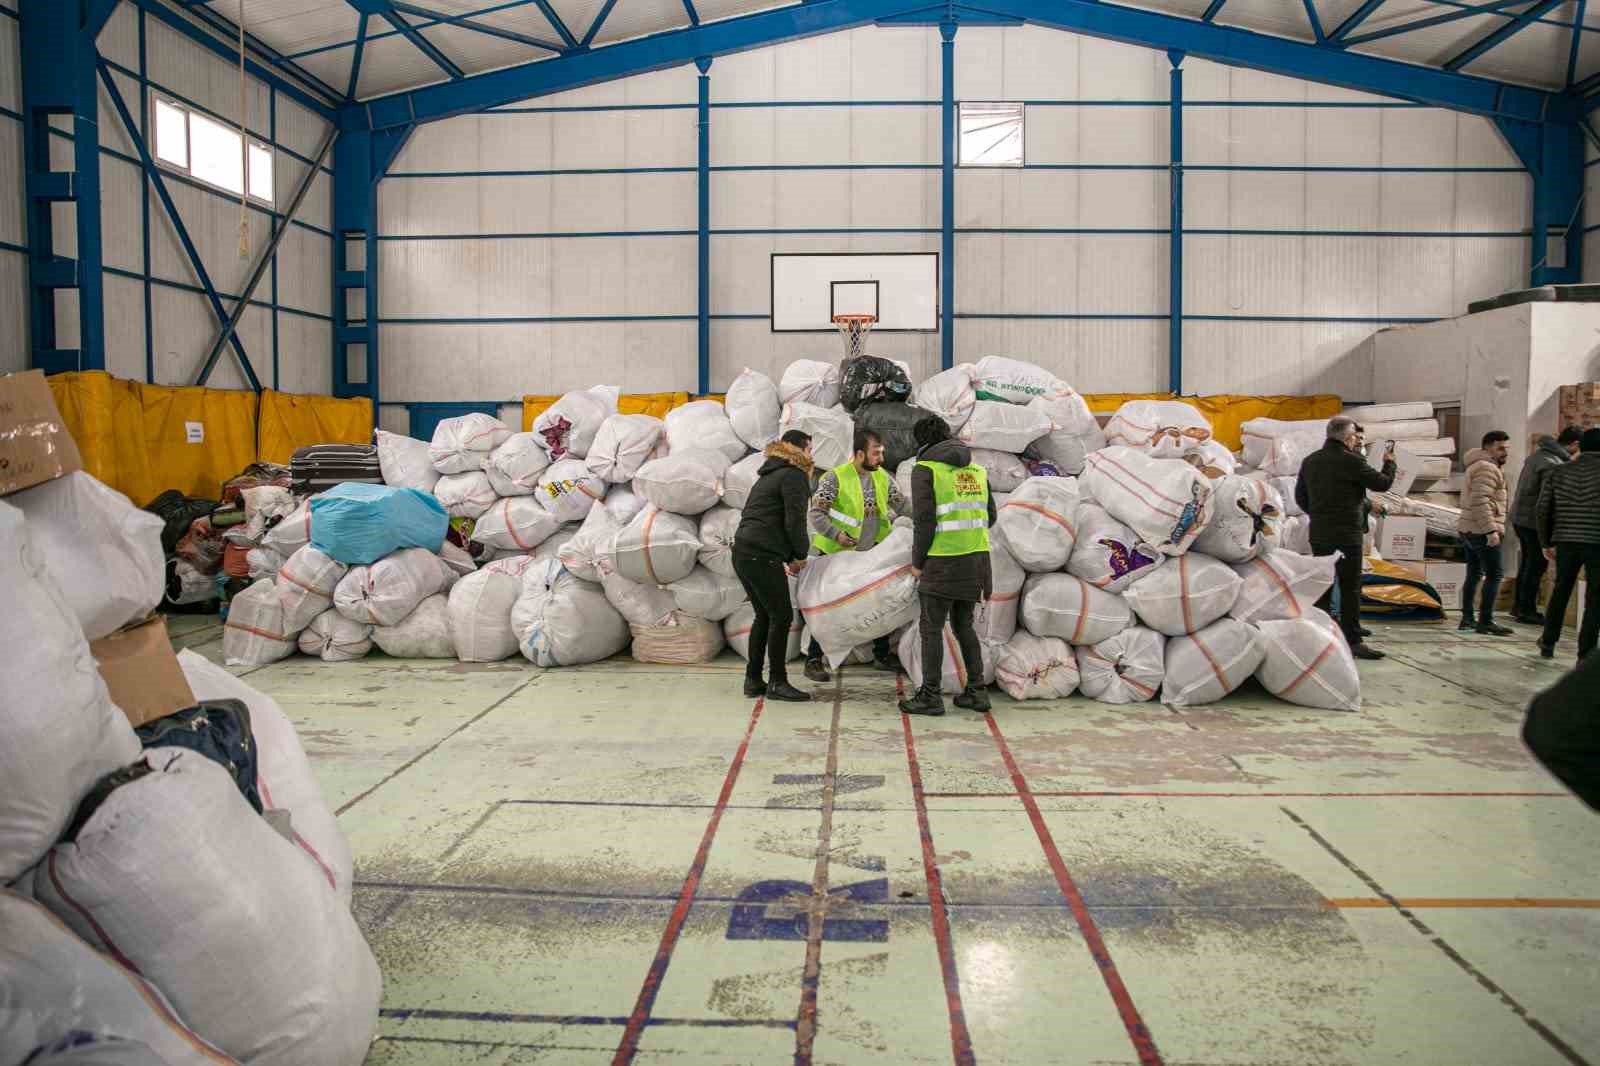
(779, 453)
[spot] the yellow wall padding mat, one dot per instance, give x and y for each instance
(105, 417)
(1227, 413)
(290, 421)
(639, 403)
(196, 438)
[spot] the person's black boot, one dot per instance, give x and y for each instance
(924, 701)
(1362, 651)
(754, 686)
(975, 698)
(782, 690)
(1467, 622)
(1530, 618)
(889, 664)
(1492, 629)
(817, 670)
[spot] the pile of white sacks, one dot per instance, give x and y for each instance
(176, 924)
(1149, 563)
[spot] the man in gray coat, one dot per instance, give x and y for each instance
(1550, 453)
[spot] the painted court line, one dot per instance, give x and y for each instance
(1068, 794)
(680, 913)
(816, 913)
(1143, 1043)
(511, 1018)
(1560, 1046)
(960, 1039)
(1468, 903)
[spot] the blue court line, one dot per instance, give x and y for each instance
(429, 1014)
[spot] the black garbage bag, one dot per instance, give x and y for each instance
(178, 512)
(893, 421)
(870, 378)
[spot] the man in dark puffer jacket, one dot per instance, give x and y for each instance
(1548, 453)
(771, 546)
(1569, 531)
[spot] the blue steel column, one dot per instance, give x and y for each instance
(1557, 201)
(947, 238)
(1175, 240)
(704, 253)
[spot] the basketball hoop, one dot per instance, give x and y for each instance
(854, 329)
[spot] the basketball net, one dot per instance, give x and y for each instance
(854, 330)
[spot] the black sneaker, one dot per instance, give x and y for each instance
(1364, 631)
(1490, 629)
(754, 686)
(1530, 619)
(782, 690)
(817, 670)
(973, 699)
(920, 702)
(889, 664)
(1547, 651)
(1361, 651)
(1467, 623)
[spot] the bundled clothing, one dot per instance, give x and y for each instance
(1332, 490)
(862, 504)
(1569, 522)
(772, 532)
(1483, 516)
(1547, 455)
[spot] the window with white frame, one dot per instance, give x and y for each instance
(990, 135)
(209, 151)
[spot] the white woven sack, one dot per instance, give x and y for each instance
(55, 986)
(1038, 523)
(852, 598)
(580, 554)
(1402, 430)
(551, 548)
(902, 478)
(948, 394)
(1306, 661)
(1282, 584)
(1246, 515)
(810, 381)
(405, 462)
(1211, 458)
(1107, 554)
(1013, 381)
(305, 584)
(463, 444)
(703, 424)
(1128, 668)
(1205, 666)
(995, 619)
(568, 427)
(85, 1049)
(1166, 502)
(1389, 412)
(1061, 605)
(562, 621)
(1005, 471)
(159, 876)
(622, 446)
(657, 548)
(283, 773)
(103, 552)
(683, 641)
(255, 632)
(708, 595)
(391, 588)
(1076, 432)
(753, 408)
(639, 604)
(263, 562)
(422, 634)
(687, 482)
(831, 429)
(1295, 534)
(515, 466)
(521, 523)
(718, 527)
(1258, 434)
(567, 490)
(623, 503)
(953, 674)
(292, 533)
(465, 495)
(59, 732)
(1185, 596)
(736, 628)
(1159, 427)
(1004, 427)
(1036, 668)
(336, 639)
(480, 611)
(1285, 454)
(740, 479)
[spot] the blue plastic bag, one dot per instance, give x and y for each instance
(358, 524)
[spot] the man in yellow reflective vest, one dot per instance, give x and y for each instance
(853, 509)
(952, 512)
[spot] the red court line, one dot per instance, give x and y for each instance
(960, 1039)
(1245, 795)
(811, 976)
(1138, 1032)
(680, 912)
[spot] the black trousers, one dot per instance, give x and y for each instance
(1348, 581)
(1484, 563)
(768, 588)
(1563, 730)
(936, 610)
(1530, 571)
(1571, 560)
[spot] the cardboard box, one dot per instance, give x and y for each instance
(142, 671)
(35, 446)
(1578, 405)
(1446, 579)
(1402, 537)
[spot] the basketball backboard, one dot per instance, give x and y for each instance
(810, 288)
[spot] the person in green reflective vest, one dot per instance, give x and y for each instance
(952, 511)
(853, 509)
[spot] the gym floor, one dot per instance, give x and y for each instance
(627, 863)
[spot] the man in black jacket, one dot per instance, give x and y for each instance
(1548, 453)
(770, 546)
(1332, 489)
(1569, 533)
(950, 557)
(1563, 730)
